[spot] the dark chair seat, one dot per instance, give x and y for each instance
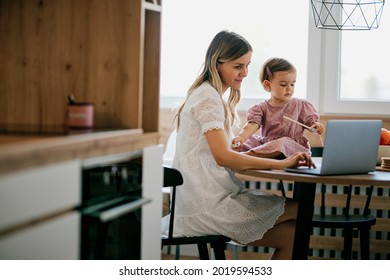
(195, 239)
(338, 221)
(173, 178)
(217, 243)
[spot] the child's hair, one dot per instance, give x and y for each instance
(273, 65)
(226, 46)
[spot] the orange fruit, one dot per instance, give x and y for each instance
(385, 137)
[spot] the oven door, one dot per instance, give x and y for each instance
(111, 230)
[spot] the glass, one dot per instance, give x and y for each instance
(364, 71)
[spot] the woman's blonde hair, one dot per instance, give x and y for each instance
(226, 46)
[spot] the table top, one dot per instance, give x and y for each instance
(376, 178)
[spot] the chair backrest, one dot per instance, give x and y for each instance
(346, 210)
(172, 178)
(317, 152)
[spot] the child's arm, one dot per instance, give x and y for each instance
(310, 117)
(247, 131)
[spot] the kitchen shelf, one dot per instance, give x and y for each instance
(103, 52)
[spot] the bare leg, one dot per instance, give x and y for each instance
(281, 236)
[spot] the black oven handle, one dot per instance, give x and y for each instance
(118, 211)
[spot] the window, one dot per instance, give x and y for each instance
(349, 78)
(364, 76)
(274, 28)
(352, 76)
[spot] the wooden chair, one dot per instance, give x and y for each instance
(362, 222)
(173, 178)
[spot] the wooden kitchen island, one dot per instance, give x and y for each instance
(41, 189)
(105, 53)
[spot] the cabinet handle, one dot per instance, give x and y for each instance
(121, 210)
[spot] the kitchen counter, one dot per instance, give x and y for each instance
(32, 150)
(41, 189)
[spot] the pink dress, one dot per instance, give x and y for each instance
(278, 133)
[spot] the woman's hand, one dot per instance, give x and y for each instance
(298, 159)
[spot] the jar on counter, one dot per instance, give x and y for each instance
(80, 115)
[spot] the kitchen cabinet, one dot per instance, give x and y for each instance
(37, 220)
(28, 194)
(104, 52)
(54, 239)
(40, 216)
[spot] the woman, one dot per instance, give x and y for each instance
(212, 200)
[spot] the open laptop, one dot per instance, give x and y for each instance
(351, 147)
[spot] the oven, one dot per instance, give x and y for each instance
(111, 208)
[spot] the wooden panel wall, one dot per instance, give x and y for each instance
(52, 48)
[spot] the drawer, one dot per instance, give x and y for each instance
(54, 239)
(32, 193)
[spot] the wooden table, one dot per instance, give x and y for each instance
(304, 193)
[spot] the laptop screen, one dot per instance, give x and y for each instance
(351, 147)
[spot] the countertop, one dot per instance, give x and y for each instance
(32, 150)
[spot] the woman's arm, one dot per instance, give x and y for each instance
(226, 157)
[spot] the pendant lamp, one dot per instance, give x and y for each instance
(347, 14)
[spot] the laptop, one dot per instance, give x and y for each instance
(351, 147)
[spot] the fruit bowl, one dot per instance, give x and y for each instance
(384, 151)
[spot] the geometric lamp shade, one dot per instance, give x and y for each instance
(347, 14)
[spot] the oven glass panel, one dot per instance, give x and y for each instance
(111, 224)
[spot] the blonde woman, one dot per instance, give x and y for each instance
(212, 200)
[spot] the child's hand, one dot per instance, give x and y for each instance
(318, 127)
(237, 143)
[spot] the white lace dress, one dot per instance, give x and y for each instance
(212, 200)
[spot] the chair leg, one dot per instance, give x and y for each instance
(234, 249)
(365, 243)
(281, 188)
(347, 254)
(177, 253)
(219, 250)
(203, 251)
